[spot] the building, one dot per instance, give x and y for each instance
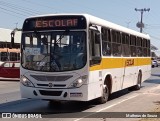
(5, 38)
(6, 53)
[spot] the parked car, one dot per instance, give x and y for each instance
(154, 63)
(10, 69)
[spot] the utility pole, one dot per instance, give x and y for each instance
(141, 24)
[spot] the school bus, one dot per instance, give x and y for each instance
(80, 57)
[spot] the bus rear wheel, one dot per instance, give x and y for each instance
(105, 94)
(139, 81)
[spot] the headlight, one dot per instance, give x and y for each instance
(26, 82)
(79, 82)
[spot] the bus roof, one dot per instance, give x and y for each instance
(101, 22)
(110, 25)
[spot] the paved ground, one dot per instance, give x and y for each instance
(121, 104)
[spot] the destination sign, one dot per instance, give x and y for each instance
(54, 23)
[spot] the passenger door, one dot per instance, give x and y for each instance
(95, 70)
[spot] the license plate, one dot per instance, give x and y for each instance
(76, 94)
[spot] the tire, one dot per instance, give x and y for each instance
(105, 95)
(139, 81)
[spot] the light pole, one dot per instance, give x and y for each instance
(141, 24)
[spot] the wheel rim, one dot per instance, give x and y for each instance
(139, 80)
(105, 92)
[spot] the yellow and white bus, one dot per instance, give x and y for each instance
(80, 57)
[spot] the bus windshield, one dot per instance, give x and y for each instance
(54, 51)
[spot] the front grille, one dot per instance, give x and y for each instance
(42, 85)
(54, 85)
(59, 85)
(50, 93)
(51, 78)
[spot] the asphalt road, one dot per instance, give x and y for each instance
(121, 104)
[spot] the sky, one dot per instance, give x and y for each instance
(122, 12)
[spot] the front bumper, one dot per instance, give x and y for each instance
(68, 94)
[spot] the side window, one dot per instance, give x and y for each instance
(95, 44)
(139, 47)
(144, 45)
(133, 46)
(148, 48)
(116, 43)
(125, 44)
(106, 42)
(13, 56)
(18, 56)
(95, 47)
(4, 56)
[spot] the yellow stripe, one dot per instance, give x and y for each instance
(108, 63)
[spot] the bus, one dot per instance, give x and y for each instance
(80, 57)
(7, 54)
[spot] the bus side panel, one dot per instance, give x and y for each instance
(130, 72)
(114, 68)
(95, 85)
(116, 78)
(144, 64)
(108, 66)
